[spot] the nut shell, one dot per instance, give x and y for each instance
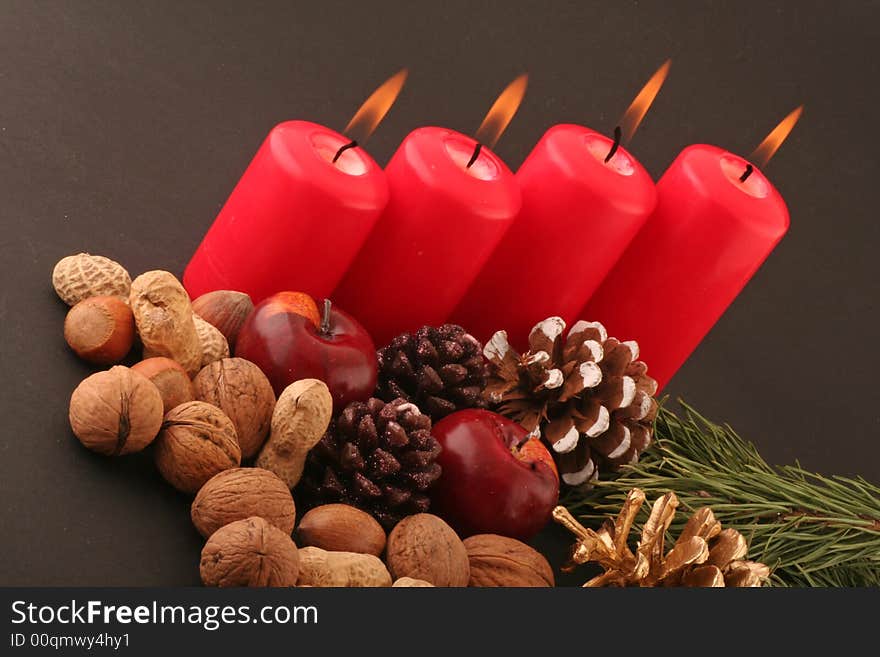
(214, 345)
(409, 582)
(170, 378)
(301, 416)
(196, 442)
(322, 568)
(164, 319)
(80, 276)
(502, 561)
(341, 528)
(423, 546)
(116, 412)
(225, 309)
(249, 552)
(100, 329)
(241, 493)
(243, 392)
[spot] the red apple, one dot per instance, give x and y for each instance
(289, 346)
(496, 478)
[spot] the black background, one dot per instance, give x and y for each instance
(123, 127)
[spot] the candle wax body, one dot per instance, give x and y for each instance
(707, 237)
(578, 215)
(295, 220)
(440, 226)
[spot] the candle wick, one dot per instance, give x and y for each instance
(746, 173)
(344, 148)
(615, 145)
(476, 154)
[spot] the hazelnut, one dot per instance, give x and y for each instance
(116, 412)
(241, 390)
(170, 378)
(80, 276)
(341, 528)
(423, 546)
(240, 493)
(502, 561)
(249, 552)
(196, 442)
(100, 330)
(226, 310)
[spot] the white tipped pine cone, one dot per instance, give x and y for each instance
(587, 395)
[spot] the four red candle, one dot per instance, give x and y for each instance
(302, 218)
(295, 220)
(578, 215)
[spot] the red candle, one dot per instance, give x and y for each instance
(713, 227)
(450, 203)
(578, 215)
(584, 199)
(295, 220)
(300, 212)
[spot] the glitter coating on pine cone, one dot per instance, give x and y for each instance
(703, 555)
(586, 394)
(440, 369)
(376, 456)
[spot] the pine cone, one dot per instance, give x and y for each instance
(703, 555)
(376, 456)
(440, 369)
(586, 394)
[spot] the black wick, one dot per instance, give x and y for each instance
(344, 148)
(615, 145)
(746, 173)
(476, 154)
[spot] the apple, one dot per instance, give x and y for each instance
(497, 478)
(288, 345)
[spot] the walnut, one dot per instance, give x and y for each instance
(502, 561)
(196, 442)
(164, 319)
(424, 547)
(249, 552)
(116, 412)
(240, 493)
(243, 392)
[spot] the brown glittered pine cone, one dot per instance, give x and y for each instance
(376, 456)
(584, 393)
(440, 369)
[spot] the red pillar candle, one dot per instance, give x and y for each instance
(295, 220)
(579, 213)
(709, 234)
(442, 222)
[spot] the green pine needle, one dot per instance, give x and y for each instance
(810, 529)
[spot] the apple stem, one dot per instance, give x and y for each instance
(325, 319)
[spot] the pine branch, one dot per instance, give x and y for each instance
(812, 530)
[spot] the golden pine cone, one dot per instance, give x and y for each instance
(704, 554)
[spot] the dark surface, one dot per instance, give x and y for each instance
(123, 127)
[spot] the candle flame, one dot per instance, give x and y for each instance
(767, 148)
(374, 109)
(642, 102)
(502, 111)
